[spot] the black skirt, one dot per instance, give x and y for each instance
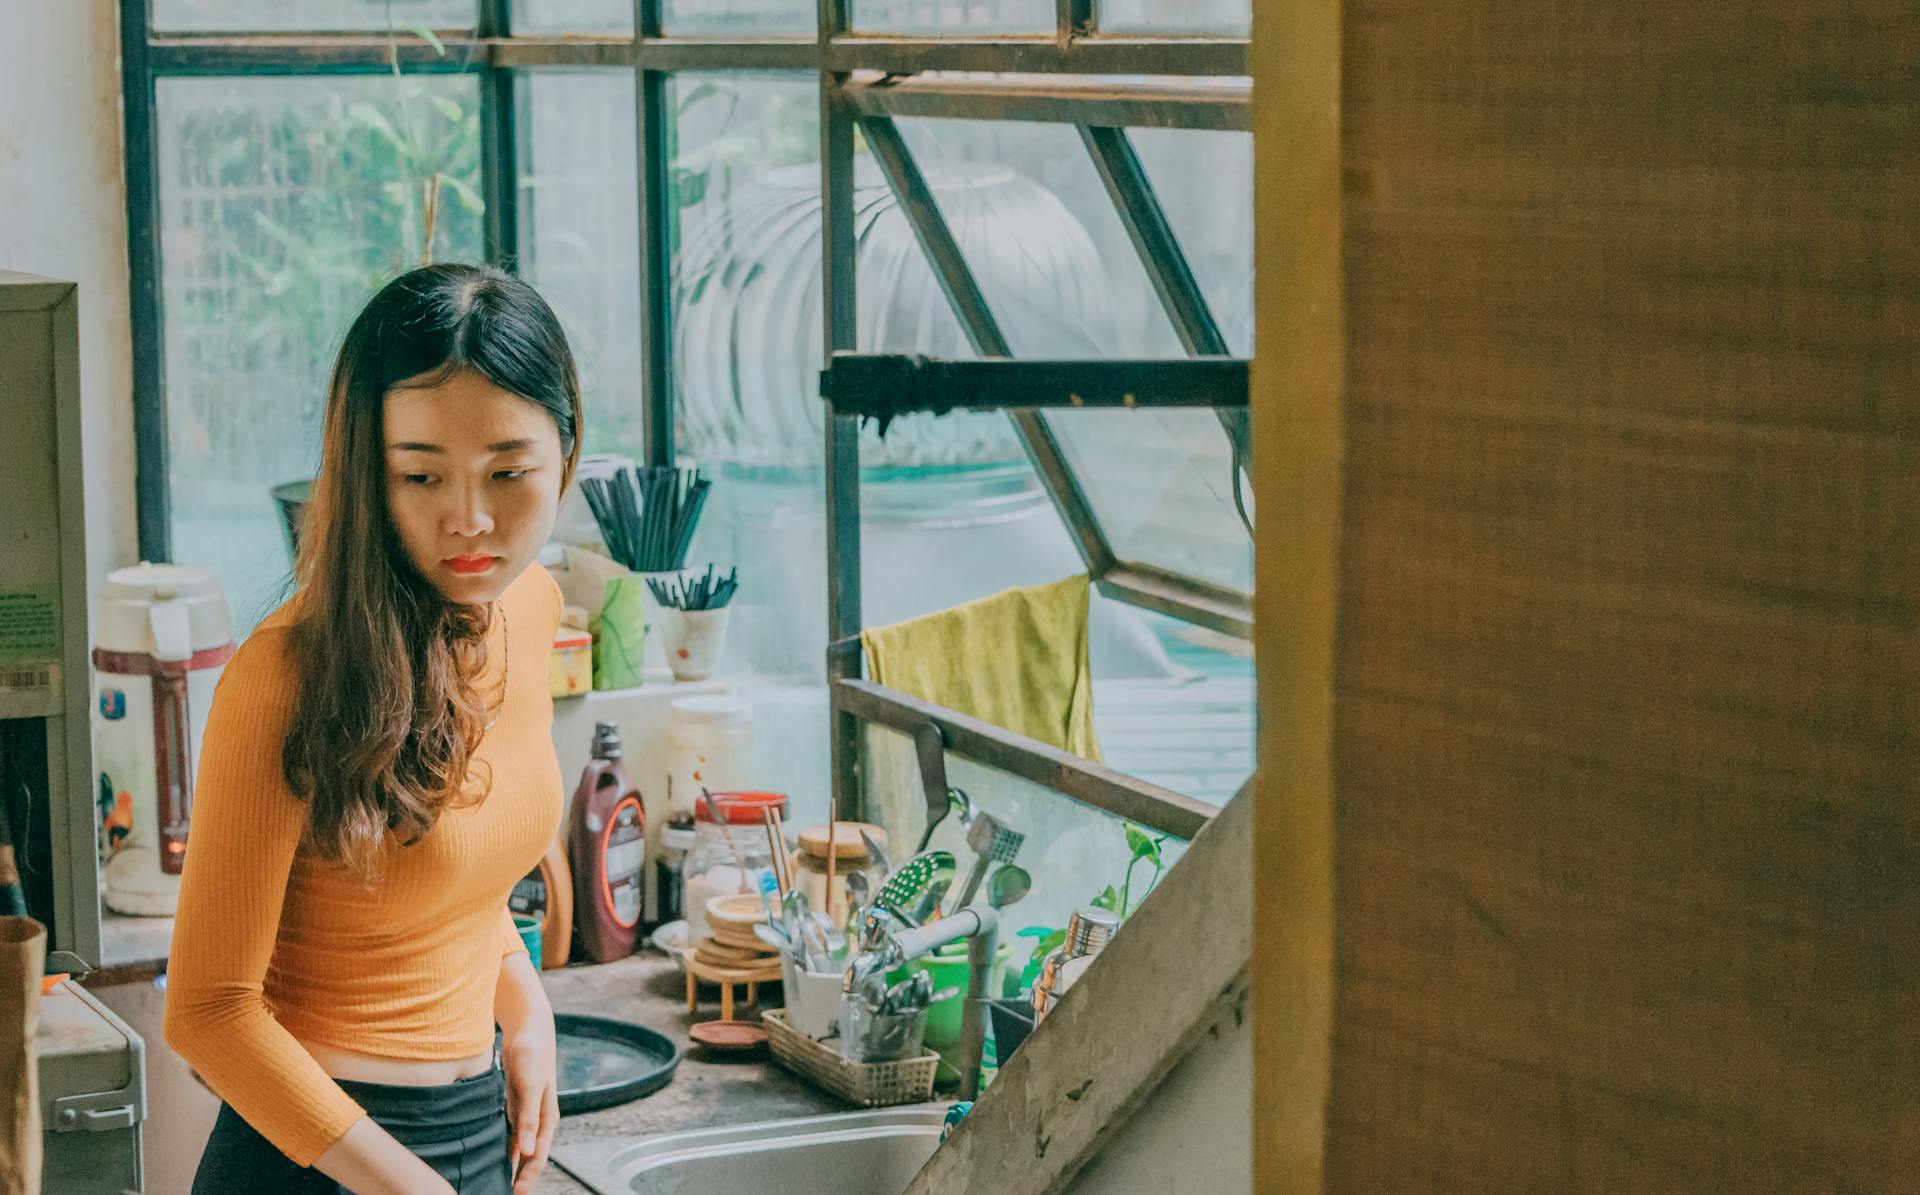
(459, 1129)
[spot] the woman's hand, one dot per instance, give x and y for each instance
(529, 1058)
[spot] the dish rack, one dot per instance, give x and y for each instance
(868, 1084)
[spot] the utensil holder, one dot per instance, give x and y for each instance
(866, 1084)
(813, 999)
(879, 1037)
(691, 640)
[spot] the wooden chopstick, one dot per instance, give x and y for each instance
(780, 842)
(773, 851)
(833, 850)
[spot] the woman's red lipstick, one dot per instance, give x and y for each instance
(471, 564)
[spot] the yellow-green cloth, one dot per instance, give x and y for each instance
(1017, 659)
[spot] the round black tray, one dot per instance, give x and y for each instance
(604, 1062)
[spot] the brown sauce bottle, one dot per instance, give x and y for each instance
(607, 846)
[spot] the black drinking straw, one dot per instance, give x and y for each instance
(647, 516)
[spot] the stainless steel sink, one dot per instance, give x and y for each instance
(849, 1153)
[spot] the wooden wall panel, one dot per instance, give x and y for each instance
(1626, 741)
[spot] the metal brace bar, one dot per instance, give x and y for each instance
(1092, 784)
(886, 385)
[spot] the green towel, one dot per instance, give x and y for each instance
(1017, 659)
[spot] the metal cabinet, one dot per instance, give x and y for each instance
(93, 1083)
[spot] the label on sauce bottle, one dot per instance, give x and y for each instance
(626, 850)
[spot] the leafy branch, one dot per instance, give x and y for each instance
(1142, 847)
(430, 186)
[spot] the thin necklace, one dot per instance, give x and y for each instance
(506, 661)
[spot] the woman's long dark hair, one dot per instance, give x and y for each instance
(386, 717)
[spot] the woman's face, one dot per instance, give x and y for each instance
(473, 482)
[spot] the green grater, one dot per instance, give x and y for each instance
(915, 890)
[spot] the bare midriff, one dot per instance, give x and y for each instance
(397, 1072)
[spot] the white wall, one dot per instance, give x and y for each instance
(1193, 1134)
(63, 214)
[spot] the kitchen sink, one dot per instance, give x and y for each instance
(875, 1152)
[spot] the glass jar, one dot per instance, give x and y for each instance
(676, 843)
(850, 856)
(726, 859)
(709, 746)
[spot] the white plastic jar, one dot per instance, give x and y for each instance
(710, 746)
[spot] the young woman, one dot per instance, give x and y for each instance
(378, 771)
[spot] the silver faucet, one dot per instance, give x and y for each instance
(886, 943)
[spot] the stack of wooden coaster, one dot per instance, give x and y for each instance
(732, 944)
(731, 954)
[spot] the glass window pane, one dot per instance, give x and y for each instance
(954, 17)
(744, 176)
(579, 237)
(573, 16)
(1204, 181)
(279, 16)
(1176, 16)
(1173, 703)
(1042, 238)
(740, 18)
(1063, 280)
(1161, 484)
(950, 509)
(284, 203)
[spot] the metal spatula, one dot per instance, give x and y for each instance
(993, 841)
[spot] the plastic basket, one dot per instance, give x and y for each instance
(868, 1084)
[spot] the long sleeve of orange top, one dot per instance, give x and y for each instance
(246, 826)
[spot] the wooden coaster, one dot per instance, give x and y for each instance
(738, 911)
(733, 938)
(720, 954)
(730, 1037)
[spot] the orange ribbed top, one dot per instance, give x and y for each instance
(272, 947)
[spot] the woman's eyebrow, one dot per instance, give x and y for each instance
(417, 446)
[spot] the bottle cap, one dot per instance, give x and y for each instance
(606, 740)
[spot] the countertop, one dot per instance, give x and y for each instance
(649, 989)
(646, 988)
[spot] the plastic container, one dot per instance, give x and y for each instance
(162, 638)
(607, 848)
(725, 858)
(709, 746)
(669, 871)
(813, 998)
(546, 894)
(529, 928)
(570, 667)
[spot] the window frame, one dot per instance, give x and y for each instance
(866, 80)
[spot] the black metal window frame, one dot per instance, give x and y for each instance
(866, 81)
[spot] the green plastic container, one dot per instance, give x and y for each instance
(949, 967)
(529, 928)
